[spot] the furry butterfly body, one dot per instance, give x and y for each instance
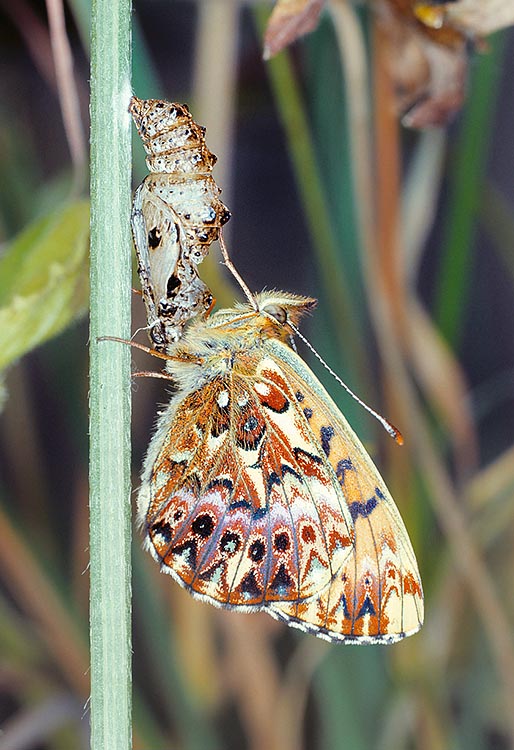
(257, 494)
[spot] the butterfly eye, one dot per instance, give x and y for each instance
(277, 312)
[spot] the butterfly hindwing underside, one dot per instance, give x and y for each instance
(176, 215)
(257, 495)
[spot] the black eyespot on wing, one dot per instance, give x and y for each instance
(250, 430)
(203, 525)
(250, 424)
(282, 541)
(257, 550)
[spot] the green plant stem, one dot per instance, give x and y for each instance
(291, 110)
(110, 570)
(465, 191)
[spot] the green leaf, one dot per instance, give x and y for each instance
(43, 280)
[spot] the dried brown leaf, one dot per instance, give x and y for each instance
(444, 92)
(428, 66)
(479, 17)
(429, 51)
(289, 20)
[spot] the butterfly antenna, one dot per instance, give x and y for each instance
(393, 431)
(231, 267)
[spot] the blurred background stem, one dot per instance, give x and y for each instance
(466, 192)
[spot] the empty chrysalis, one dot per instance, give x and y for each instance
(176, 215)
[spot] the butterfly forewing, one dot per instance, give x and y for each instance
(377, 592)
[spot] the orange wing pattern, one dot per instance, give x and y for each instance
(377, 593)
(261, 497)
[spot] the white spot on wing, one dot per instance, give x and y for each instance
(222, 399)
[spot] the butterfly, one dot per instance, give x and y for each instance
(256, 494)
(176, 215)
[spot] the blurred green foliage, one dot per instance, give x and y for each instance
(43, 280)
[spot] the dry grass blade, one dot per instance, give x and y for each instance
(67, 89)
(194, 623)
(289, 20)
(215, 81)
(35, 36)
(495, 480)
(420, 194)
(490, 494)
(252, 675)
(294, 691)
(445, 503)
(37, 725)
(443, 382)
(37, 597)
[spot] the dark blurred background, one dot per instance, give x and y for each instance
(439, 363)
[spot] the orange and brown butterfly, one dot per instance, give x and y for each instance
(176, 215)
(257, 495)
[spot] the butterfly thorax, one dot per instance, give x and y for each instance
(232, 342)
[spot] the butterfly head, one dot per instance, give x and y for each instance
(284, 308)
(272, 314)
